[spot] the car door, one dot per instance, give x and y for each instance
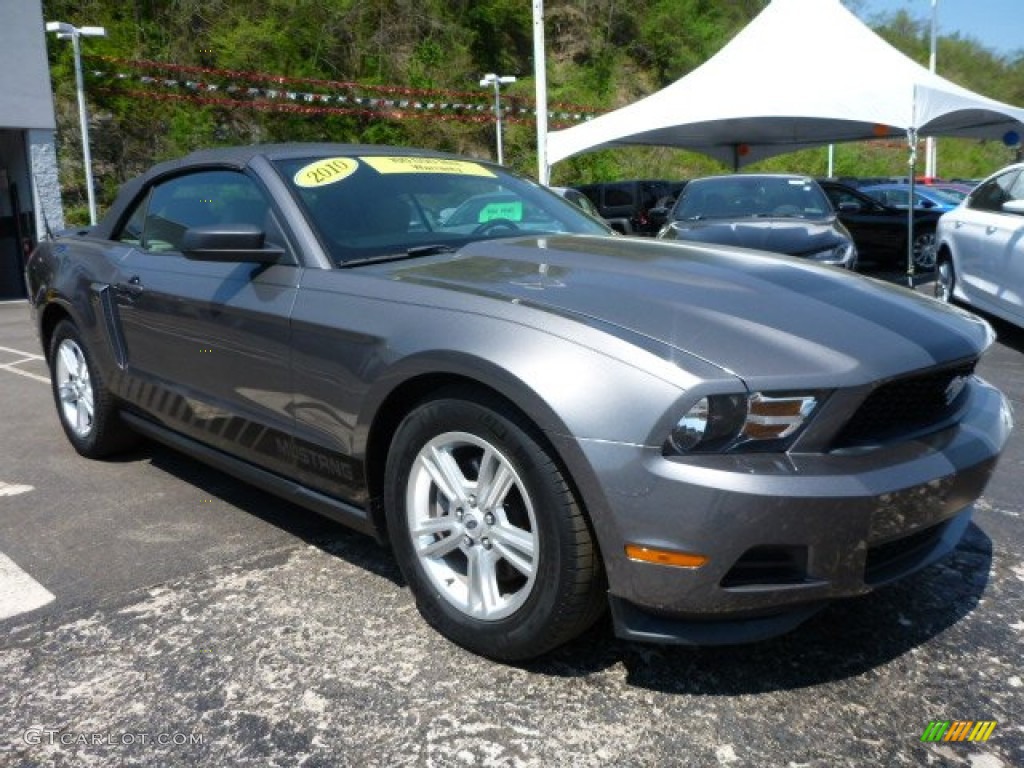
(206, 343)
(989, 247)
(873, 228)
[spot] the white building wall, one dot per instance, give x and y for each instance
(46, 187)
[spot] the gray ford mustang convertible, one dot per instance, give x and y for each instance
(542, 420)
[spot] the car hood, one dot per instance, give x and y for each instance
(759, 316)
(793, 237)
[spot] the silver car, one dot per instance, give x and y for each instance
(980, 258)
(541, 420)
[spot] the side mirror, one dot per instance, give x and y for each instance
(225, 242)
(657, 216)
(849, 206)
(1014, 206)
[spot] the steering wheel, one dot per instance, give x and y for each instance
(495, 225)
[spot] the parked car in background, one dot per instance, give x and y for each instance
(925, 197)
(981, 247)
(626, 205)
(956, 191)
(542, 421)
(658, 215)
(781, 213)
(579, 199)
(864, 181)
(880, 231)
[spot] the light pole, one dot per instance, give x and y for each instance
(491, 79)
(65, 31)
(540, 78)
(929, 145)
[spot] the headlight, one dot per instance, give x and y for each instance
(756, 422)
(690, 429)
(711, 424)
(844, 253)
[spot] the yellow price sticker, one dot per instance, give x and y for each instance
(426, 165)
(328, 171)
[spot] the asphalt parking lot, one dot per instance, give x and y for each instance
(156, 612)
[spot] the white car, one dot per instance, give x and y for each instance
(980, 257)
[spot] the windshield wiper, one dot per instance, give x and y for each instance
(429, 250)
(410, 253)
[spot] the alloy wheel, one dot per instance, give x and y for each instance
(74, 387)
(472, 525)
(924, 250)
(944, 281)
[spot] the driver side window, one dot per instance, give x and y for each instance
(218, 197)
(991, 195)
(1017, 190)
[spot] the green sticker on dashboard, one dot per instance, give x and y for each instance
(513, 211)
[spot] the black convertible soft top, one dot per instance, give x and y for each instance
(238, 157)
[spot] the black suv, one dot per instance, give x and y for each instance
(626, 205)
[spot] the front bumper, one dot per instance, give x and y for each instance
(784, 534)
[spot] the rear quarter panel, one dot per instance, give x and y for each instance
(71, 277)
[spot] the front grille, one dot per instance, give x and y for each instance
(909, 405)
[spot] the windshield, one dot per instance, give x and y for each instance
(735, 197)
(952, 192)
(366, 207)
(944, 196)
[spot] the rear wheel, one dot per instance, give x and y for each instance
(85, 406)
(945, 280)
(488, 534)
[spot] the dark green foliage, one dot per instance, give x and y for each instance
(602, 54)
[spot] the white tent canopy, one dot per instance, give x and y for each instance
(803, 73)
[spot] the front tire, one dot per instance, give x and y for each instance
(487, 532)
(86, 408)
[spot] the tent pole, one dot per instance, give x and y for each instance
(912, 163)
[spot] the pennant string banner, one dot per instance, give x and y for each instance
(266, 92)
(375, 111)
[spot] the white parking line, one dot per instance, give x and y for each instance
(29, 355)
(26, 357)
(10, 489)
(26, 374)
(19, 592)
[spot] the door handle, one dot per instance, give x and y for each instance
(132, 288)
(990, 229)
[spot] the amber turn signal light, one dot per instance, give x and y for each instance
(665, 556)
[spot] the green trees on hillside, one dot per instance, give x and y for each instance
(407, 72)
